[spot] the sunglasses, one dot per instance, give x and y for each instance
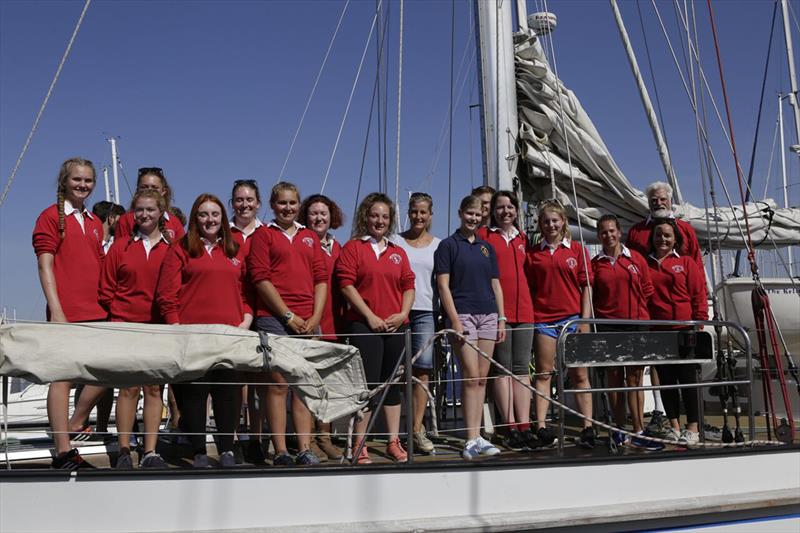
(158, 171)
(249, 183)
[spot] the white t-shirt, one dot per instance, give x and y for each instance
(421, 260)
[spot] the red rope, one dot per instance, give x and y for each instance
(751, 257)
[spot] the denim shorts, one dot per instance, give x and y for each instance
(552, 329)
(479, 326)
(270, 324)
(422, 329)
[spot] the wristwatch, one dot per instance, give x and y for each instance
(287, 316)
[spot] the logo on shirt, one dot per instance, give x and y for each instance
(170, 234)
(484, 251)
(97, 235)
(395, 258)
(308, 241)
(521, 248)
(572, 263)
(234, 261)
(633, 269)
(677, 268)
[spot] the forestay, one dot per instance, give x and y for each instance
(328, 376)
(600, 185)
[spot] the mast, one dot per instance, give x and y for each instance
(661, 145)
(787, 35)
(105, 180)
(114, 170)
(497, 86)
(783, 168)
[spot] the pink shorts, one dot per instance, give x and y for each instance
(479, 326)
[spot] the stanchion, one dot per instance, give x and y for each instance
(5, 422)
(409, 398)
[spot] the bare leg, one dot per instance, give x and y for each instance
(633, 378)
(392, 415)
(89, 397)
(174, 412)
(420, 397)
(545, 360)
(126, 414)
(276, 411)
(580, 379)
(58, 414)
(153, 407)
(616, 378)
(304, 422)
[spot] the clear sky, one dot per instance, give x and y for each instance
(213, 91)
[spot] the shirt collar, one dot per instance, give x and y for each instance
(142, 237)
(237, 228)
(372, 240)
(673, 252)
(273, 224)
(206, 242)
(625, 251)
(565, 242)
(514, 231)
(69, 209)
(649, 219)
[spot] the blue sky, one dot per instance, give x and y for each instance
(213, 91)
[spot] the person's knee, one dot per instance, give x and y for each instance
(129, 393)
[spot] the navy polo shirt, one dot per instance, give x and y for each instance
(471, 266)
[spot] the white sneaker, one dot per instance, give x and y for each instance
(672, 436)
(486, 447)
(472, 450)
(689, 438)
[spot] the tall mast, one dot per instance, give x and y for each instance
(661, 145)
(114, 170)
(497, 86)
(787, 35)
(105, 181)
(783, 169)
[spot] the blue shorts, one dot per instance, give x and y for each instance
(422, 329)
(553, 329)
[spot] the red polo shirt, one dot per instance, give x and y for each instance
(77, 260)
(621, 288)
(381, 281)
(679, 289)
(335, 306)
(293, 266)
(510, 254)
(173, 229)
(556, 279)
(128, 281)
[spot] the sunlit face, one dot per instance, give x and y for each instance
(378, 220)
(319, 218)
(609, 235)
(209, 220)
(147, 214)
(79, 184)
(419, 215)
(471, 217)
(151, 182)
(663, 239)
(245, 204)
(505, 213)
(660, 203)
(486, 203)
(286, 207)
(551, 224)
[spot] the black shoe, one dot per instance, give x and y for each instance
(238, 456)
(516, 441)
(587, 438)
(254, 453)
(70, 460)
(546, 436)
(531, 442)
(656, 424)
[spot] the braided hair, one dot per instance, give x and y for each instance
(61, 187)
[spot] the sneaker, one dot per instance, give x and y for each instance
(529, 439)
(282, 459)
(153, 460)
(546, 436)
(84, 434)
(306, 458)
(363, 457)
(620, 439)
(423, 443)
(326, 445)
(472, 450)
(689, 438)
(316, 450)
(646, 444)
(254, 453)
(227, 459)
(656, 423)
(587, 438)
(395, 450)
(486, 448)
(672, 436)
(712, 432)
(516, 441)
(124, 461)
(201, 461)
(70, 460)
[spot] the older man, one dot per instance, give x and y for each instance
(659, 199)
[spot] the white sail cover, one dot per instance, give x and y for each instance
(329, 377)
(601, 187)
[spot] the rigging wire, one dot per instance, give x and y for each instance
(35, 126)
(349, 101)
(399, 108)
(450, 142)
(313, 90)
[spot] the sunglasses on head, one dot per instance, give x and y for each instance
(249, 183)
(158, 171)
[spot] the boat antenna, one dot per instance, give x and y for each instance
(35, 126)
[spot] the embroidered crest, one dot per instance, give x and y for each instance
(234, 261)
(308, 241)
(169, 234)
(97, 235)
(572, 263)
(395, 258)
(521, 248)
(633, 269)
(677, 268)
(484, 251)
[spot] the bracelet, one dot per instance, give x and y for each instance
(504, 319)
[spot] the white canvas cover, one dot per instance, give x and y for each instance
(329, 377)
(600, 184)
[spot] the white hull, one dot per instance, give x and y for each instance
(734, 295)
(485, 496)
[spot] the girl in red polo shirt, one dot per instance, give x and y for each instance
(321, 214)
(377, 281)
(621, 289)
(559, 278)
(68, 241)
(512, 398)
(679, 294)
(127, 292)
(202, 281)
(154, 179)
(287, 267)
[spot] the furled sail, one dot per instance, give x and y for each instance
(600, 185)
